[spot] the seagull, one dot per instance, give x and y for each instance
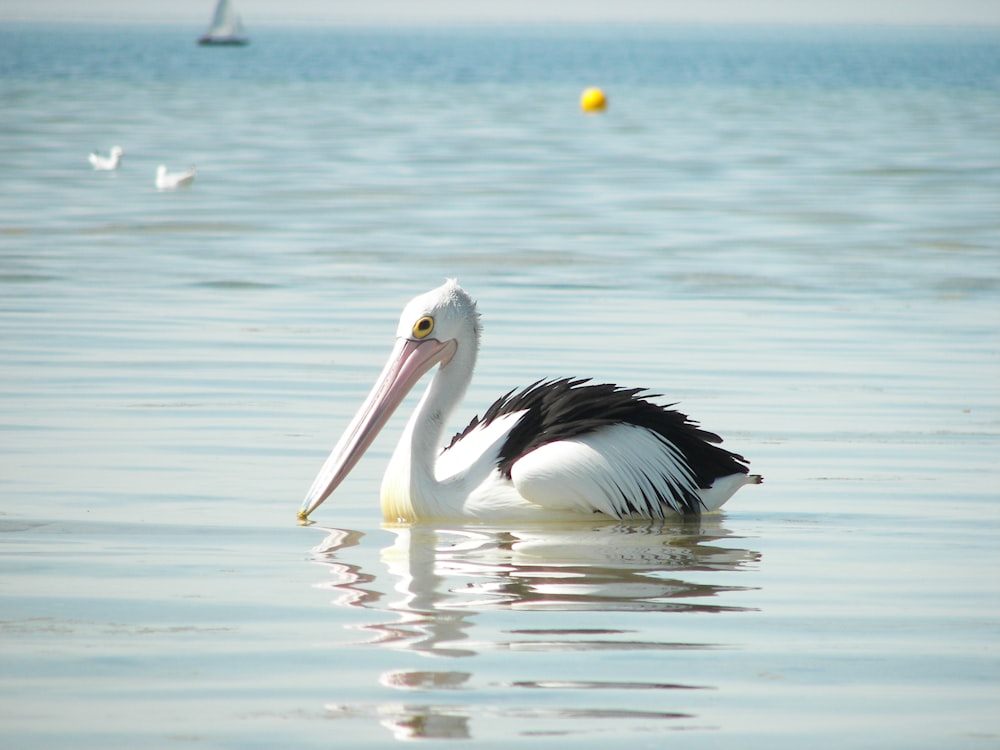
(107, 163)
(558, 449)
(170, 180)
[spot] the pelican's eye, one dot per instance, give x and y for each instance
(423, 327)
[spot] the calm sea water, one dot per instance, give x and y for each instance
(793, 233)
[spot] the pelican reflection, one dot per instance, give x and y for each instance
(440, 577)
(464, 591)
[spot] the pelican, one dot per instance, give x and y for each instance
(107, 163)
(559, 449)
(169, 180)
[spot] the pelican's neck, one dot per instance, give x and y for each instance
(411, 489)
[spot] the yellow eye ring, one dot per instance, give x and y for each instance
(423, 327)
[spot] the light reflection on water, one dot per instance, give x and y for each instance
(435, 583)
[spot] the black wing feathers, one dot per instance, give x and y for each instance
(562, 409)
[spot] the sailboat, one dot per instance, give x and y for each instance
(226, 26)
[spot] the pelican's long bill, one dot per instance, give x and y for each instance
(409, 361)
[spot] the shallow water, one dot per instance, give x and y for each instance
(804, 255)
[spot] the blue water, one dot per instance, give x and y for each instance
(831, 58)
(793, 232)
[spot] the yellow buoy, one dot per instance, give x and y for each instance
(593, 100)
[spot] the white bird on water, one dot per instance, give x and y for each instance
(559, 449)
(107, 163)
(169, 180)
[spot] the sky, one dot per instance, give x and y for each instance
(406, 12)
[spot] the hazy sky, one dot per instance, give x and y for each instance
(196, 12)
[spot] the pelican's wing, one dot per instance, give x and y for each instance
(477, 449)
(620, 470)
(580, 447)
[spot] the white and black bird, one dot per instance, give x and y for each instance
(559, 449)
(171, 180)
(107, 163)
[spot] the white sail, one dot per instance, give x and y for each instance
(226, 26)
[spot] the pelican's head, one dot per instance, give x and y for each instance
(447, 313)
(434, 329)
(117, 151)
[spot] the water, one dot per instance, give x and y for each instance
(794, 233)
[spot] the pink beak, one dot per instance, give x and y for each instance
(409, 361)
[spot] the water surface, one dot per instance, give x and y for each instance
(793, 233)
